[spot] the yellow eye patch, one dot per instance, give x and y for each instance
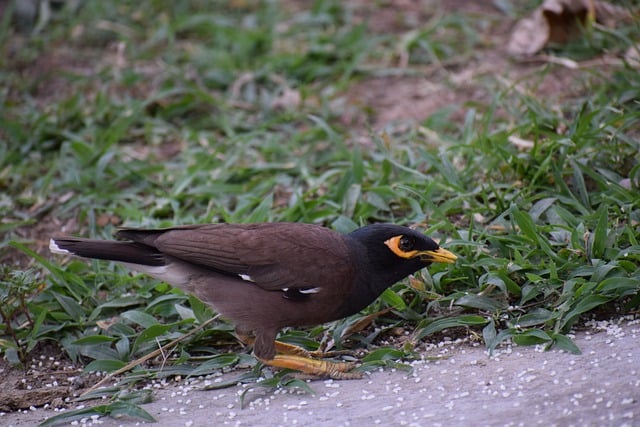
(402, 246)
(394, 244)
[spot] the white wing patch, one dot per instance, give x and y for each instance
(306, 291)
(299, 294)
(246, 277)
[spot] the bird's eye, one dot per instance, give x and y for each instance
(405, 244)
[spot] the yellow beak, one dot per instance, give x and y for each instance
(439, 255)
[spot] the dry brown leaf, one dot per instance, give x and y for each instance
(364, 322)
(567, 18)
(559, 21)
(479, 218)
(611, 15)
(632, 56)
(106, 323)
(105, 219)
(288, 99)
(417, 284)
(520, 143)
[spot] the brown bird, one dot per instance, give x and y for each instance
(264, 277)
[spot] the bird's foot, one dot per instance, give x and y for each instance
(319, 354)
(316, 368)
(294, 350)
(290, 356)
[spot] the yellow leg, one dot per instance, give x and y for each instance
(291, 356)
(320, 368)
(291, 349)
(294, 350)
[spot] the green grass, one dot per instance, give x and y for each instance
(164, 130)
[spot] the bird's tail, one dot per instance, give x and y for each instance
(128, 252)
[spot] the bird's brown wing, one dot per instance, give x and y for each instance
(272, 255)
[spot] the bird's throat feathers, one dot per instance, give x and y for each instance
(375, 274)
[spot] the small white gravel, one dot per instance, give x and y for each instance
(515, 386)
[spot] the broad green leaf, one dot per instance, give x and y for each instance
(300, 340)
(104, 365)
(529, 292)
(393, 299)
(11, 354)
(534, 277)
(137, 397)
(344, 225)
(140, 318)
(295, 383)
(350, 199)
(540, 207)
(35, 330)
(599, 241)
(376, 200)
(357, 165)
(535, 317)
(481, 302)
(579, 184)
(149, 335)
(501, 336)
(492, 279)
(450, 322)
(582, 306)
(531, 337)
(123, 347)
(250, 376)
(276, 382)
(385, 357)
(184, 312)
(94, 339)
(115, 409)
(70, 306)
(201, 311)
(84, 151)
(565, 343)
(214, 364)
(382, 354)
(587, 270)
(73, 415)
(166, 299)
(489, 333)
(618, 286)
(528, 228)
(98, 351)
(262, 211)
(69, 281)
(121, 302)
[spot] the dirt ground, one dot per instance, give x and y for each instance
(517, 386)
(467, 387)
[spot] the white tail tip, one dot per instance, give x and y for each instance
(53, 247)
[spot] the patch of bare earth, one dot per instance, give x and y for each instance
(409, 94)
(48, 379)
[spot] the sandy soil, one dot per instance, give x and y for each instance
(517, 386)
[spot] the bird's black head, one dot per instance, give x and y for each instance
(390, 244)
(388, 253)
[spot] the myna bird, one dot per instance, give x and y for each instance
(264, 277)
